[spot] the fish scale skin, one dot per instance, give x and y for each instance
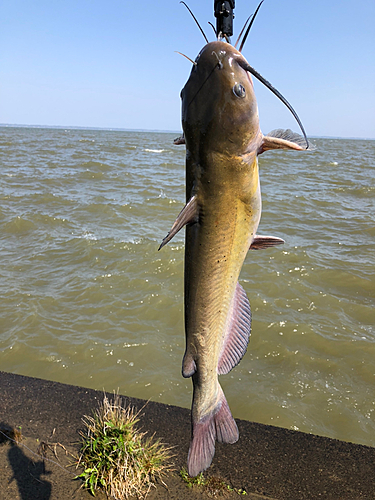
(223, 139)
(222, 171)
(215, 251)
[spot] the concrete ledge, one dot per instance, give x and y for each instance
(267, 462)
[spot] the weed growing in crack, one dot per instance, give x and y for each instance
(117, 457)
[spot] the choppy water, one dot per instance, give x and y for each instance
(86, 299)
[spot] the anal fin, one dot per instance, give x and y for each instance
(260, 242)
(238, 333)
(188, 214)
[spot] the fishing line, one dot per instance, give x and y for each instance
(200, 88)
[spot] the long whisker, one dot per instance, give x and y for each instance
(244, 26)
(213, 27)
(249, 28)
(188, 58)
(195, 19)
(246, 66)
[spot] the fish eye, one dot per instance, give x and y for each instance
(239, 90)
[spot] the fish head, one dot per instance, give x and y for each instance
(219, 108)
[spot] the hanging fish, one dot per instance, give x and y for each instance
(223, 140)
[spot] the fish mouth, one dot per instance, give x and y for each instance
(218, 58)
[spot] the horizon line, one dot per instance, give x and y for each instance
(79, 127)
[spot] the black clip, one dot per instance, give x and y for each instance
(223, 10)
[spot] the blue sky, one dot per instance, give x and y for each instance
(112, 63)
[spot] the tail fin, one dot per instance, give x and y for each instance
(219, 426)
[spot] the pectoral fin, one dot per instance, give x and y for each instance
(260, 242)
(188, 214)
(283, 139)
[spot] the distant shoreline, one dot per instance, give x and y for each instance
(115, 129)
(109, 129)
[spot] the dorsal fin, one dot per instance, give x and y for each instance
(179, 140)
(188, 214)
(283, 139)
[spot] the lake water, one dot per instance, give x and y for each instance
(86, 298)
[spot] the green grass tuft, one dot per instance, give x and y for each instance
(116, 456)
(198, 480)
(213, 485)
